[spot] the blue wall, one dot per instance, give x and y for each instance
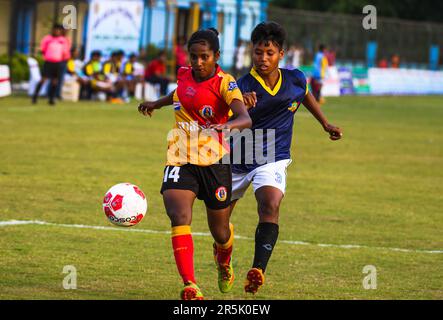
(154, 25)
(252, 12)
(24, 26)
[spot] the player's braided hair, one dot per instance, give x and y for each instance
(209, 36)
(269, 31)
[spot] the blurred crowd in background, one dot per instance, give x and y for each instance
(113, 79)
(116, 78)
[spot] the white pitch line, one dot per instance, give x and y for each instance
(205, 234)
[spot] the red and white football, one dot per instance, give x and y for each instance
(125, 205)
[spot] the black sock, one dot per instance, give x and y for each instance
(52, 90)
(37, 91)
(266, 236)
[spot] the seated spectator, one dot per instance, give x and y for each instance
(111, 72)
(95, 82)
(74, 65)
(74, 70)
(155, 72)
(130, 74)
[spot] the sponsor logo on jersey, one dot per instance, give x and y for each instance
(221, 194)
(190, 92)
(232, 86)
(207, 112)
(177, 106)
(294, 106)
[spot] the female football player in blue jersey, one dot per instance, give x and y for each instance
(274, 96)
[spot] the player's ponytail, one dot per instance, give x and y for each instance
(209, 36)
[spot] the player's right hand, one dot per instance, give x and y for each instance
(335, 133)
(147, 108)
(250, 99)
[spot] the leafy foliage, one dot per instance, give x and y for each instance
(18, 65)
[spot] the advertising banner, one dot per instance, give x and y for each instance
(346, 82)
(405, 82)
(5, 82)
(114, 25)
(331, 83)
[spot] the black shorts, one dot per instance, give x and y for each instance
(212, 184)
(52, 69)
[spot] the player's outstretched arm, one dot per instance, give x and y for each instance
(147, 108)
(240, 119)
(312, 105)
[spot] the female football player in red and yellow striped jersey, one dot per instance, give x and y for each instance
(194, 168)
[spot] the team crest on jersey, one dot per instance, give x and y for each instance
(207, 112)
(176, 106)
(232, 86)
(190, 92)
(221, 194)
(294, 106)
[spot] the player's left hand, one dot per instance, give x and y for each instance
(335, 133)
(250, 99)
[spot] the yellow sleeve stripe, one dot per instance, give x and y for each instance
(180, 231)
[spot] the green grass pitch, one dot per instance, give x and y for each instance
(379, 188)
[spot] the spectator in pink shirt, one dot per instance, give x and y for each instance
(56, 51)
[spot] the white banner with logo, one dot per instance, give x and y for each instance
(331, 83)
(114, 25)
(5, 81)
(405, 81)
